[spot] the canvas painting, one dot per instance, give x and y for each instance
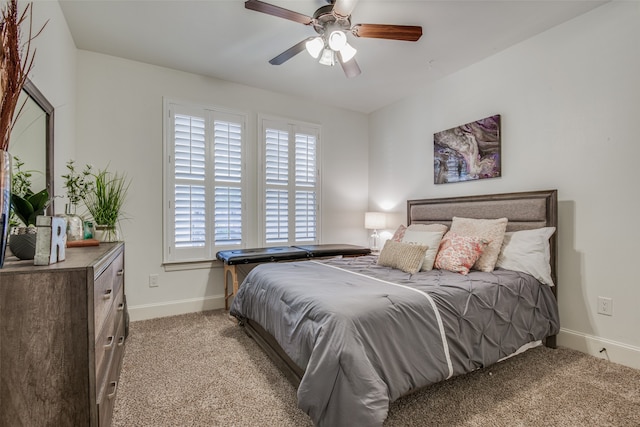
(467, 152)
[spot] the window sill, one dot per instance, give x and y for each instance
(192, 265)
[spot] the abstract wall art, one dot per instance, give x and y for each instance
(467, 152)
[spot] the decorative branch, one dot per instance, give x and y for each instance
(16, 62)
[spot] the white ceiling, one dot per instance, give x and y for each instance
(222, 39)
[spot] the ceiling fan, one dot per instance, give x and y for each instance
(332, 23)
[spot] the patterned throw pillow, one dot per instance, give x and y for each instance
(403, 256)
(399, 234)
(491, 230)
(459, 253)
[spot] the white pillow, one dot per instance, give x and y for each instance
(431, 239)
(528, 251)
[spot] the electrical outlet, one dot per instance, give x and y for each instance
(605, 306)
(153, 280)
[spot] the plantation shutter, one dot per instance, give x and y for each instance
(291, 183)
(228, 182)
(305, 202)
(277, 181)
(189, 175)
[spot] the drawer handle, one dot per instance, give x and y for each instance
(120, 306)
(107, 294)
(114, 385)
(120, 272)
(121, 341)
(109, 343)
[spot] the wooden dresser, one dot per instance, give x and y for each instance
(62, 336)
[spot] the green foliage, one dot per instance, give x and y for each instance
(20, 180)
(105, 202)
(78, 184)
(25, 204)
(29, 207)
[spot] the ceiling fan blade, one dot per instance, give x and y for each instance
(278, 11)
(289, 53)
(343, 8)
(350, 68)
(408, 33)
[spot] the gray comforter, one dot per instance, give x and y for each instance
(366, 335)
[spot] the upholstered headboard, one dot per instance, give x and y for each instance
(526, 210)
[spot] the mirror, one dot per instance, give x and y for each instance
(32, 138)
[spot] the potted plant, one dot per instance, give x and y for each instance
(78, 185)
(105, 203)
(25, 208)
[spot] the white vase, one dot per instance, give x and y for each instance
(75, 224)
(106, 233)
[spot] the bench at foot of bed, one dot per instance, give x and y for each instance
(235, 257)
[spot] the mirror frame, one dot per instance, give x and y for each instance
(34, 93)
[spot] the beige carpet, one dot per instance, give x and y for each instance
(202, 370)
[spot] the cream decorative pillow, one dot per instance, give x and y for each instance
(428, 227)
(458, 253)
(403, 256)
(431, 239)
(491, 230)
(528, 251)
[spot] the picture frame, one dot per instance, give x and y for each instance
(468, 152)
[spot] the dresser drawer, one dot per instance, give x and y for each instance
(106, 287)
(105, 406)
(112, 333)
(108, 388)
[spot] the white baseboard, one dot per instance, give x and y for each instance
(174, 308)
(616, 352)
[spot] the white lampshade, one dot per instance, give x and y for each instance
(314, 46)
(343, 8)
(337, 40)
(375, 220)
(347, 52)
(328, 57)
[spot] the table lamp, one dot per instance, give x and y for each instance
(375, 221)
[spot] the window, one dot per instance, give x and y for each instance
(210, 166)
(204, 182)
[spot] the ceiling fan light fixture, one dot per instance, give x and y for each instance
(347, 52)
(328, 57)
(337, 40)
(315, 46)
(332, 22)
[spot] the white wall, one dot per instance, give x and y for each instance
(119, 123)
(570, 103)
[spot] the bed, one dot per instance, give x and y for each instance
(354, 335)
